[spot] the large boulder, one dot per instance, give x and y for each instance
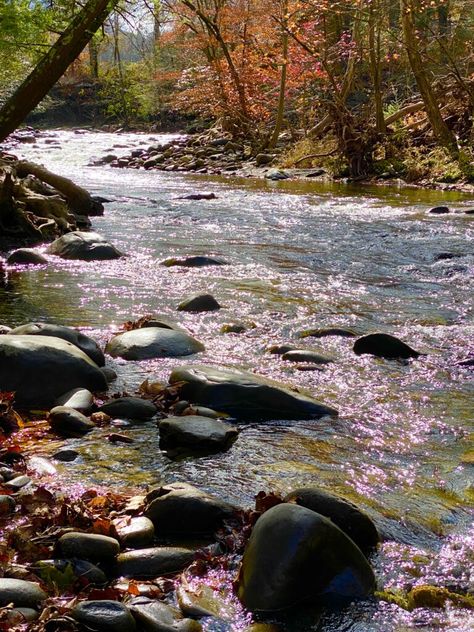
(83, 246)
(348, 517)
(296, 555)
(83, 342)
(41, 368)
(244, 395)
(152, 342)
(384, 346)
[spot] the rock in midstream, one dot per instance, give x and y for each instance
(196, 434)
(244, 395)
(384, 346)
(152, 342)
(129, 408)
(69, 422)
(199, 303)
(26, 256)
(84, 246)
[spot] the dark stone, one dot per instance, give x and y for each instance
(306, 355)
(198, 261)
(69, 422)
(129, 408)
(295, 555)
(263, 159)
(347, 516)
(109, 374)
(88, 546)
(7, 505)
(20, 593)
(439, 210)
(384, 346)
(469, 211)
(315, 173)
(466, 362)
(276, 174)
(157, 616)
(233, 328)
(26, 256)
(81, 341)
(327, 331)
(199, 196)
(17, 483)
(104, 616)
(244, 395)
(196, 434)
(66, 455)
(152, 342)
(199, 303)
(83, 246)
(182, 509)
(153, 562)
(139, 532)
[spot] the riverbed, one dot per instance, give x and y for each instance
(301, 255)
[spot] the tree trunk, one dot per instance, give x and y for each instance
(53, 65)
(284, 68)
(441, 131)
(374, 55)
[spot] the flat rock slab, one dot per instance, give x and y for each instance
(20, 593)
(384, 346)
(104, 616)
(129, 408)
(92, 547)
(152, 342)
(196, 433)
(40, 369)
(198, 261)
(84, 246)
(306, 355)
(83, 342)
(153, 562)
(244, 395)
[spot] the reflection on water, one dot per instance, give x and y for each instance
(301, 255)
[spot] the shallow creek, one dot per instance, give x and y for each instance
(301, 255)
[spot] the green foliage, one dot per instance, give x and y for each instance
(61, 578)
(127, 92)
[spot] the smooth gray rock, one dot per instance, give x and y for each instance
(104, 616)
(86, 572)
(129, 408)
(197, 261)
(40, 369)
(196, 433)
(295, 555)
(306, 355)
(68, 422)
(157, 616)
(17, 483)
(7, 505)
(26, 256)
(347, 516)
(83, 342)
(83, 246)
(21, 593)
(153, 562)
(384, 346)
(244, 395)
(152, 342)
(78, 398)
(139, 532)
(180, 508)
(199, 303)
(92, 547)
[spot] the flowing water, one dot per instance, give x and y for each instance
(301, 255)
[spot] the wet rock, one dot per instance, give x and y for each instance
(41, 466)
(202, 602)
(20, 616)
(157, 616)
(66, 455)
(439, 210)
(198, 261)
(182, 509)
(17, 483)
(84, 571)
(139, 532)
(199, 303)
(88, 546)
(244, 395)
(347, 516)
(20, 593)
(3, 328)
(153, 562)
(26, 256)
(327, 331)
(306, 355)
(276, 174)
(78, 398)
(295, 555)
(152, 342)
(69, 422)
(109, 374)
(81, 341)
(233, 328)
(7, 505)
(199, 196)
(263, 159)
(104, 616)
(280, 349)
(196, 434)
(84, 246)
(469, 211)
(384, 346)
(129, 408)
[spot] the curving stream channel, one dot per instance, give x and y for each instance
(301, 255)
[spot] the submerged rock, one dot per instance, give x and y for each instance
(347, 516)
(182, 509)
(327, 331)
(152, 342)
(245, 395)
(306, 355)
(104, 615)
(153, 562)
(20, 593)
(384, 346)
(84, 246)
(41, 368)
(26, 256)
(197, 261)
(296, 555)
(129, 408)
(157, 616)
(81, 341)
(199, 303)
(196, 434)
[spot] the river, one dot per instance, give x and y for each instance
(301, 255)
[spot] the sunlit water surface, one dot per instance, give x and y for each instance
(301, 255)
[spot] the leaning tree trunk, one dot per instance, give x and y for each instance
(53, 65)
